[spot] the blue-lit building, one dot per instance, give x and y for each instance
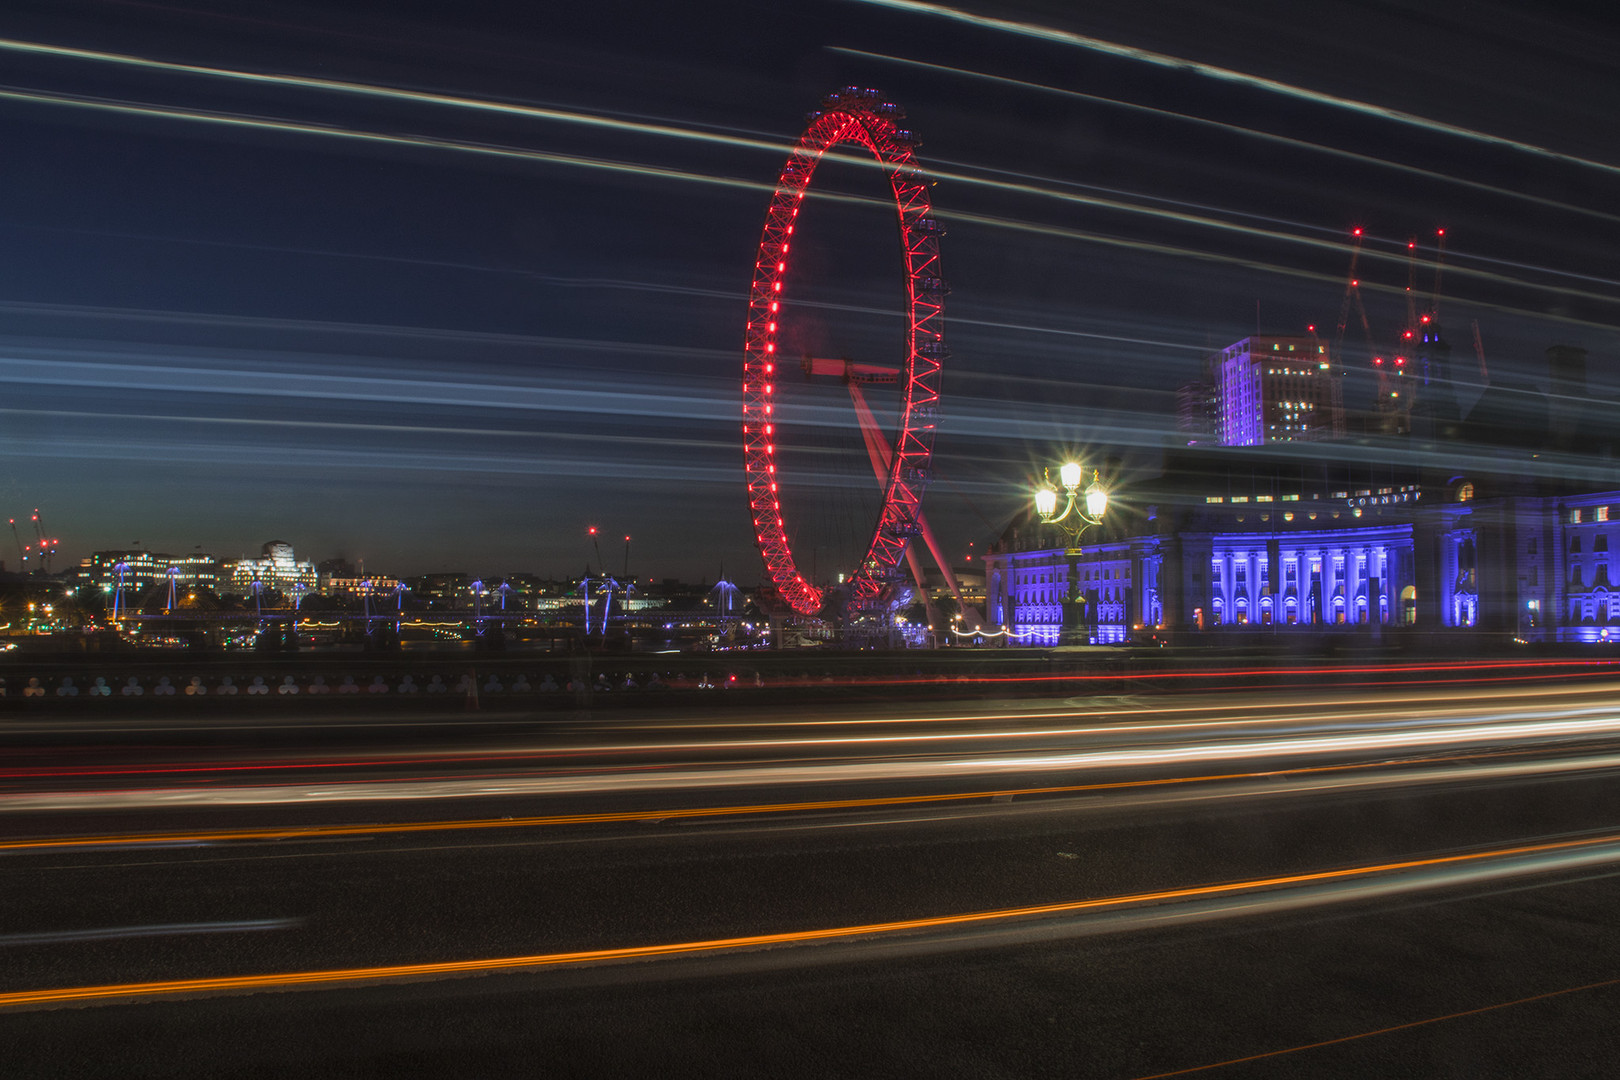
(1223, 544)
(1274, 389)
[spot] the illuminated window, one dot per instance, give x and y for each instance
(1602, 514)
(1575, 517)
(1465, 492)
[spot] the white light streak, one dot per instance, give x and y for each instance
(1242, 78)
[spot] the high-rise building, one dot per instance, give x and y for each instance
(1275, 389)
(276, 568)
(1195, 413)
(139, 570)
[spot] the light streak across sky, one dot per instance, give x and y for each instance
(388, 93)
(1247, 132)
(1242, 78)
(419, 142)
(1041, 190)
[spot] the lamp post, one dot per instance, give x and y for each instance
(1080, 512)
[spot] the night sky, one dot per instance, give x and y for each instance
(420, 331)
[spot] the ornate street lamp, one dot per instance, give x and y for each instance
(1086, 512)
(1079, 514)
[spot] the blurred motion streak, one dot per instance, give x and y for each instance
(1315, 97)
(316, 832)
(1250, 897)
(1253, 133)
(427, 142)
(123, 933)
(901, 768)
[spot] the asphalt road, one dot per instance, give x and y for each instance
(1076, 887)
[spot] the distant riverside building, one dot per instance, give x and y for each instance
(1195, 413)
(1290, 548)
(445, 591)
(356, 587)
(276, 568)
(1275, 389)
(143, 569)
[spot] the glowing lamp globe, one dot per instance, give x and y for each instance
(1070, 475)
(1045, 502)
(1096, 501)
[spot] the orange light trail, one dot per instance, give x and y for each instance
(333, 976)
(620, 816)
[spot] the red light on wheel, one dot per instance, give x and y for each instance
(864, 123)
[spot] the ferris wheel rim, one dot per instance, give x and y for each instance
(863, 117)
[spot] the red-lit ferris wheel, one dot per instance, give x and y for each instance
(851, 115)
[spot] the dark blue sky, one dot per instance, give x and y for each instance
(427, 335)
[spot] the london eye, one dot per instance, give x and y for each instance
(901, 462)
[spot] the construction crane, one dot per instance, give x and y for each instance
(1479, 351)
(22, 553)
(1352, 294)
(1411, 282)
(47, 546)
(1439, 268)
(1389, 400)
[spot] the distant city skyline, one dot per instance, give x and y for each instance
(440, 289)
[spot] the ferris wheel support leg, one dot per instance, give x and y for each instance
(877, 449)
